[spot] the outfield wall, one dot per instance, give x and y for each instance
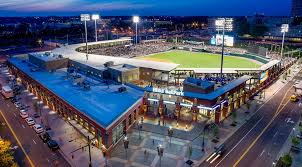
(246, 55)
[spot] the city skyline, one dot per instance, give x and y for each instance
(144, 8)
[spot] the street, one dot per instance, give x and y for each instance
(258, 142)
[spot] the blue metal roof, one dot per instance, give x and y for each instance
(101, 103)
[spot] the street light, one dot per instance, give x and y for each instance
(140, 126)
(85, 18)
(284, 29)
(95, 17)
(224, 24)
(160, 153)
(81, 148)
(170, 133)
(126, 145)
(135, 20)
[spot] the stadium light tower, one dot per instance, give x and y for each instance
(95, 17)
(135, 20)
(85, 18)
(224, 24)
(284, 29)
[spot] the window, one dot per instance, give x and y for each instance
(117, 132)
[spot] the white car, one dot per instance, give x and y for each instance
(30, 121)
(38, 128)
(17, 104)
(23, 114)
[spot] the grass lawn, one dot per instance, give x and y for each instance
(188, 59)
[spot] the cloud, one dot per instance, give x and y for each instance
(68, 5)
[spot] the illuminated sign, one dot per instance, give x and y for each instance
(168, 91)
(263, 76)
(228, 40)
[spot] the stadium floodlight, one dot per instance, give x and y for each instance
(135, 20)
(284, 29)
(85, 18)
(95, 17)
(224, 24)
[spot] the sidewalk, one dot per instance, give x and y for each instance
(67, 137)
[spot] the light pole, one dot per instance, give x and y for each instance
(160, 153)
(284, 29)
(81, 148)
(224, 24)
(126, 145)
(140, 126)
(95, 17)
(135, 20)
(170, 133)
(85, 18)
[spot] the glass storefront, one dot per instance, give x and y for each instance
(118, 132)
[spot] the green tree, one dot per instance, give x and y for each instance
(6, 154)
(215, 131)
(234, 117)
(190, 151)
(286, 160)
(295, 141)
(36, 106)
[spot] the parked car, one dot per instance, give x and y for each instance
(36, 115)
(53, 145)
(23, 114)
(24, 107)
(38, 128)
(17, 104)
(30, 121)
(45, 137)
(299, 136)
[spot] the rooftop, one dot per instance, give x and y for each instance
(216, 93)
(47, 56)
(198, 82)
(123, 67)
(101, 103)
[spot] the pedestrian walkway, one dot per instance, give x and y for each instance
(65, 134)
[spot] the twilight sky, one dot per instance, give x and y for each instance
(145, 7)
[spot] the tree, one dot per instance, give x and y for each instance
(215, 130)
(190, 151)
(300, 129)
(6, 154)
(295, 141)
(286, 160)
(234, 117)
(36, 106)
(248, 106)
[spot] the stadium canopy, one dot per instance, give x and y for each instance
(94, 60)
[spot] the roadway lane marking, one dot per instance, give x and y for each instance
(23, 126)
(275, 134)
(18, 141)
(262, 153)
(34, 141)
(257, 138)
(240, 141)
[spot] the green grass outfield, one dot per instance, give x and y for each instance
(188, 59)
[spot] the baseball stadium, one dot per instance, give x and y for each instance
(155, 81)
